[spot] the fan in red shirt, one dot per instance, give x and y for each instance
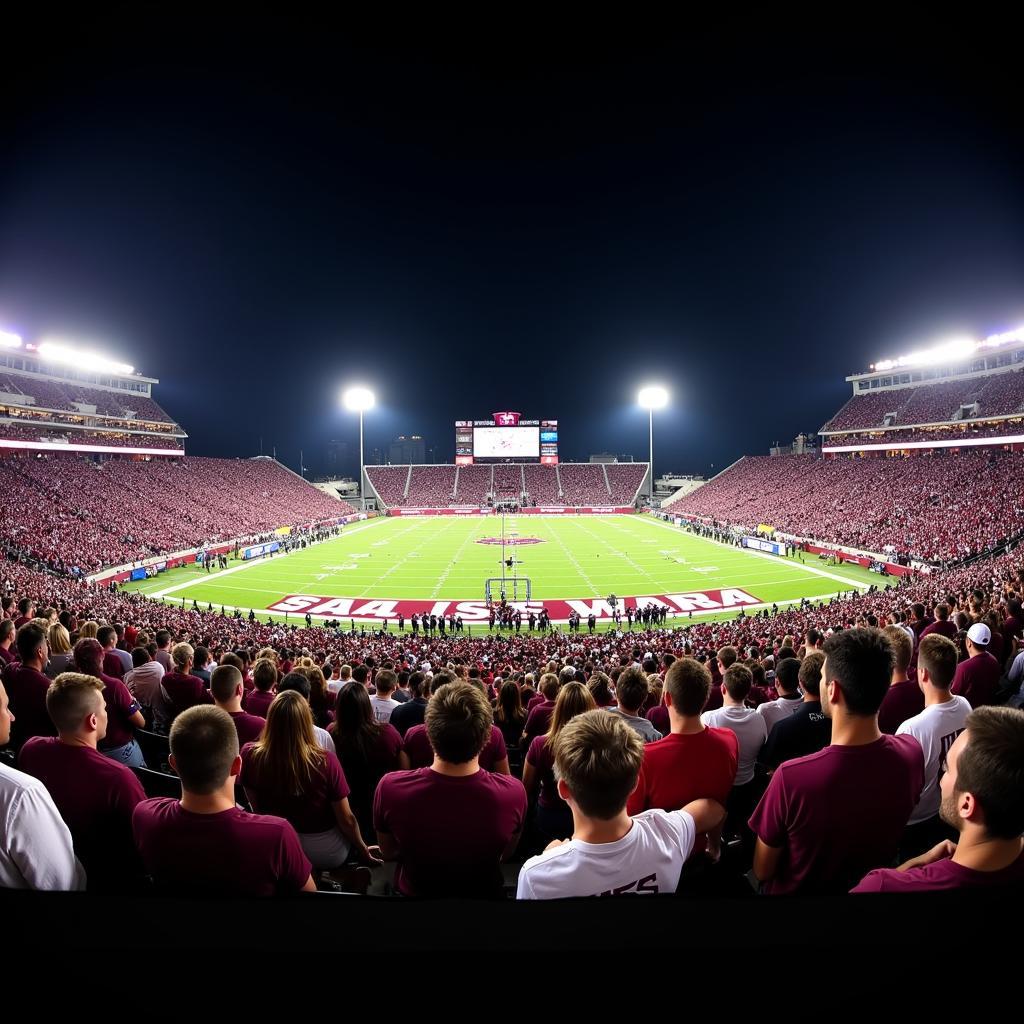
(183, 689)
(26, 686)
(227, 689)
(693, 761)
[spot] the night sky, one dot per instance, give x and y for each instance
(474, 217)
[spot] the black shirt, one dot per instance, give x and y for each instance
(806, 731)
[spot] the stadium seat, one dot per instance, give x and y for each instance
(158, 783)
(156, 749)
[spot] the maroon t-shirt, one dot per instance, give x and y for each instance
(257, 702)
(839, 813)
(112, 665)
(536, 700)
(541, 757)
(941, 626)
(901, 701)
(121, 705)
(248, 727)
(658, 717)
(421, 753)
(230, 853)
(450, 831)
(96, 797)
(6, 656)
(185, 691)
(977, 679)
(714, 701)
(310, 811)
(538, 721)
(26, 691)
(942, 874)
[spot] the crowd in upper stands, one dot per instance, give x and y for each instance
(69, 513)
(952, 432)
(20, 432)
(921, 506)
(61, 395)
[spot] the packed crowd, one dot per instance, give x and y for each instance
(994, 395)
(72, 514)
(933, 435)
(21, 432)
(62, 395)
(837, 501)
(667, 760)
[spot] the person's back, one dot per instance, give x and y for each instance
(977, 678)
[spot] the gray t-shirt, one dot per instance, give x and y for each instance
(645, 729)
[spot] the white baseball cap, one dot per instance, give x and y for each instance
(979, 634)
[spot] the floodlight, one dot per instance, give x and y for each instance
(358, 399)
(60, 352)
(8, 340)
(653, 397)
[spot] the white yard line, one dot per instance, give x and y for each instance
(470, 536)
(621, 554)
(409, 554)
(248, 565)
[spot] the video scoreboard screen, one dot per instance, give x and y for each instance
(506, 435)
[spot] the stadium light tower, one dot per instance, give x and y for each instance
(359, 399)
(651, 398)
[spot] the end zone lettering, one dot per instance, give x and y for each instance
(475, 611)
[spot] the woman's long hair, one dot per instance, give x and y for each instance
(573, 699)
(318, 701)
(355, 730)
(510, 704)
(59, 639)
(287, 754)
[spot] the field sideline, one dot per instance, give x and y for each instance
(378, 568)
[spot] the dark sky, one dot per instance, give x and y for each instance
(472, 217)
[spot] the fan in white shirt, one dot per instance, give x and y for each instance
(750, 728)
(597, 763)
(383, 704)
(787, 686)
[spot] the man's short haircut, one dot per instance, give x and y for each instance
(386, 681)
(204, 745)
(106, 635)
(728, 656)
(224, 681)
(902, 647)
(566, 675)
(264, 675)
(28, 640)
(941, 612)
(202, 656)
(632, 688)
(458, 722)
(938, 655)
(295, 681)
(787, 674)
(140, 656)
(813, 637)
(71, 697)
(163, 638)
(182, 654)
(6, 629)
(738, 680)
(359, 674)
(861, 661)
(810, 673)
(991, 768)
(688, 683)
(598, 757)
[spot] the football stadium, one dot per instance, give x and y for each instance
(456, 687)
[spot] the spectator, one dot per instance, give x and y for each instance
(287, 773)
(203, 666)
(298, 682)
(414, 710)
(904, 698)
(367, 749)
(941, 625)
(59, 644)
(163, 653)
(509, 714)
(808, 729)
(36, 851)
(554, 819)
(112, 664)
(6, 640)
(227, 689)
(538, 718)
(182, 842)
(977, 678)
(96, 795)
(935, 728)
(124, 715)
(264, 677)
(27, 686)
(450, 825)
(598, 759)
(382, 702)
(982, 798)
(802, 844)
(693, 762)
(144, 683)
(631, 689)
(183, 690)
(787, 682)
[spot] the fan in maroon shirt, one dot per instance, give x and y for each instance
(95, 795)
(977, 678)
(258, 700)
(183, 842)
(227, 688)
(983, 800)
(449, 826)
(904, 698)
(828, 818)
(183, 689)
(26, 686)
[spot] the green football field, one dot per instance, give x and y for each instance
(385, 566)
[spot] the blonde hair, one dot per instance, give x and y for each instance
(72, 696)
(573, 699)
(287, 751)
(182, 654)
(59, 639)
(88, 630)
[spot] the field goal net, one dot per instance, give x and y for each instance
(511, 588)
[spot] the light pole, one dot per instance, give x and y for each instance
(359, 399)
(651, 398)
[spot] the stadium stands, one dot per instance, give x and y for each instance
(430, 487)
(583, 484)
(21, 432)
(944, 435)
(474, 485)
(389, 483)
(52, 394)
(541, 484)
(508, 481)
(917, 505)
(625, 479)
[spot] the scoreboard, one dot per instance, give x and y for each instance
(505, 436)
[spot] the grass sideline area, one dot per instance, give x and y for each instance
(447, 558)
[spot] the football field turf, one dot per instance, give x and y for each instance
(384, 566)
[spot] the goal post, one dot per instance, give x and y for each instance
(511, 588)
